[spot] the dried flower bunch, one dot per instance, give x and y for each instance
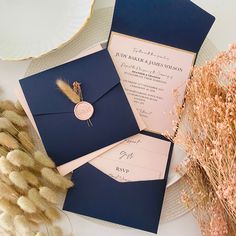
(208, 135)
(29, 181)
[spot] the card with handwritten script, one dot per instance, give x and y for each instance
(150, 73)
(138, 158)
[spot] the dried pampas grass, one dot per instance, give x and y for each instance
(56, 178)
(39, 234)
(5, 166)
(6, 222)
(26, 205)
(9, 207)
(68, 91)
(22, 225)
(43, 160)
(49, 195)
(6, 125)
(29, 182)
(14, 118)
(55, 231)
(20, 158)
(30, 178)
(3, 151)
(26, 141)
(52, 213)
(8, 141)
(36, 198)
(18, 180)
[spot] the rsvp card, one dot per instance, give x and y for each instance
(150, 73)
(138, 158)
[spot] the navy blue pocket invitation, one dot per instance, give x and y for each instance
(176, 23)
(64, 136)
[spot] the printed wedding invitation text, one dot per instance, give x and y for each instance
(150, 73)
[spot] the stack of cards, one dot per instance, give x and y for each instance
(120, 163)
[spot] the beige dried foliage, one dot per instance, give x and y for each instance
(19, 171)
(6, 125)
(39, 234)
(208, 136)
(43, 160)
(8, 192)
(3, 151)
(56, 179)
(49, 194)
(9, 207)
(30, 177)
(52, 213)
(7, 105)
(36, 198)
(5, 166)
(22, 225)
(15, 118)
(8, 141)
(19, 108)
(26, 141)
(5, 179)
(55, 231)
(20, 158)
(26, 205)
(18, 180)
(6, 222)
(68, 91)
(51, 176)
(66, 183)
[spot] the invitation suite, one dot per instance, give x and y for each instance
(153, 45)
(67, 136)
(150, 73)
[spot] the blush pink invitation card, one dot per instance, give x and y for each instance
(150, 73)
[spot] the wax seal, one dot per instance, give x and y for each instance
(83, 110)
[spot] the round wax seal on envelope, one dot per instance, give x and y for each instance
(83, 110)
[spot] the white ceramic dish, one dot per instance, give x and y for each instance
(32, 28)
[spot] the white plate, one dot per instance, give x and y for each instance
(178, 156)
(31, 28)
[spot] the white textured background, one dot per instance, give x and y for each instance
(222, 34)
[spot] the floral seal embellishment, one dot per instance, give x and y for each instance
(83, 110)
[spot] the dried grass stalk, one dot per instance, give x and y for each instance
(15, 118)
(49, 195)
(9, 207)
(52, 213)
(55, 231)
(5, 166)
(68, 91)
(22, 225)
(26, 205)
(43, 160)
(30, 177)
(26, 141)
(36, 198)
(18, 180)
(20, 158)
(8, 141)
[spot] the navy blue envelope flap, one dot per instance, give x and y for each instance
(176, 23)
(134, 204)
(64, 136)
(96, 73)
